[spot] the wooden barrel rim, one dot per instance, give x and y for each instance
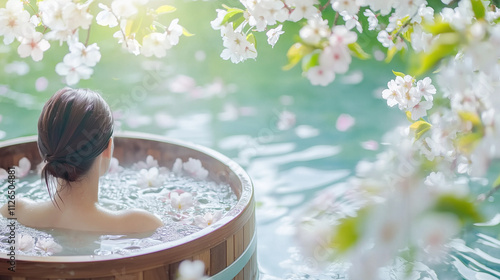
(169, 252)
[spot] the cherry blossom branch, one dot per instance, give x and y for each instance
(88, 36)
(31, 6)
(123, 32)
(322, 8)
(485, 196)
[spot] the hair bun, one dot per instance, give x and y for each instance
(61, 170)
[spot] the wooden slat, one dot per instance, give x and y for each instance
(104, 278)
(131, 276)
(230, 250)
(205, 258)
(159, 273)
(239, 246)
(218, 258)
(172, 270)
(240, 276)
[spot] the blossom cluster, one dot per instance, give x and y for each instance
(386, 211)
(138, 30)
(152, 175)
(28, 244)
(325, 48)
(412, 97)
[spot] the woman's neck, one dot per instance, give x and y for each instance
(81, 194)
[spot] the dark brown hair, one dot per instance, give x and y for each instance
(75, 127)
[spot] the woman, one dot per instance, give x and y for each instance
(75, 141)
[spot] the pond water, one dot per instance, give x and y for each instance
(294, 140)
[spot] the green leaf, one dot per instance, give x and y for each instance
(296, 52)
(165, 9)
(251, 39)
(400, 74)
(347, 234)
(390, 54)
(186, 33)
(358, 51)
(464, 209)
(467, 143)
(310, 61)
(438, 27)
(496, 183)
(446, 45)
(420, 128)
(470, 116)
(478, 8)
(232, 15)
(408, 116)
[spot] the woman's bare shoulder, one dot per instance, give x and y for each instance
(136, 220)
(15, 208)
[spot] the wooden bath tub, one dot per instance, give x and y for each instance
(227, 247)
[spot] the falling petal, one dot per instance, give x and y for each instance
(344, 122)
(286, 120)
(370, 145)
(306, 131)
(182, 84)
(41, 84)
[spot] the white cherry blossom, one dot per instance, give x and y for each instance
(192, 270)
(106, 17)
(274, 34)
(337, 58)
(123, 8)
(342, 36)
(351, 7)
(89, 55)
(34, 46)
(14, 21)
(208, 219)
(48, 245)
(73, 70)
(149, 178)
(286, 120)
(372, 19)
(238, 48)
(173, 32)
(3, 174)
(114, 166)
(149, 163)
(320, 75)
(315, 30)
(426, 89)
(194, 168)
(384, 6)
(302, 9)
(155, 44)
(216, 23)
(64, 15)
(181, 201)
(25, 243)
(129, 43)
(351, 21)
(419, 110)
(421, 41)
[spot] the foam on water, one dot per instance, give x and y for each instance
(118, 191)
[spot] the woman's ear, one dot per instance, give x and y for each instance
(108, 152)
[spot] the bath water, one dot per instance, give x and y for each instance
(118, 191)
